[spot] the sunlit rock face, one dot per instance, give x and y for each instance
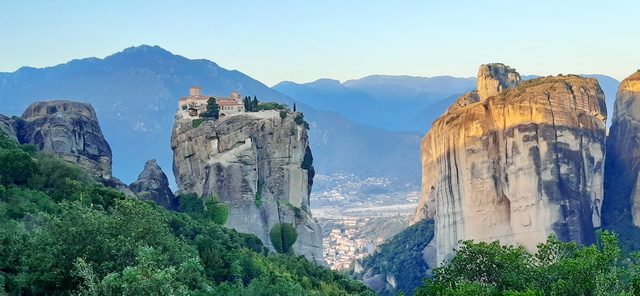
(623, 145)
(494, 78)
(517, 163)
(244, 155)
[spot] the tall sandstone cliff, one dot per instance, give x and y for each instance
(515, 162)
(259, 164)
(623, 150)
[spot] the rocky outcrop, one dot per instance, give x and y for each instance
(623, 148)
(8, 127)
(494, 78)
(259, 164)
(518, 164)
(70, 130)
(153, 184)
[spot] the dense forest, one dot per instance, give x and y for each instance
(62, 233)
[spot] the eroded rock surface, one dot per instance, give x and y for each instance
(8, 127)
(71, 130)
(516, 165)
(153, 184)
(259, 164)
(494, 78)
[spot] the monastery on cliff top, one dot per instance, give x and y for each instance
(195, 104)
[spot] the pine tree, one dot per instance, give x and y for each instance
(254, 104)
(212, 109)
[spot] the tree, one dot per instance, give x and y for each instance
(254, 104)
(556, 269)
(212, 109)
(16, 166)
(283, 235)
(248, 107)
(294, 107)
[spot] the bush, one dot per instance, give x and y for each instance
(283, 114)
(271, 106)
(196, 122)
(258, 195)
(210, 209)
(283, 236)
(307, 162)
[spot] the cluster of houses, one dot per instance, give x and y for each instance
(195, 104)
(341, 247)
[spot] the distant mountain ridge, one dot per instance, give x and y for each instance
(383, 101)
(401, 103)
(135, 94)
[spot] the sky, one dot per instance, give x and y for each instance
(302, 41)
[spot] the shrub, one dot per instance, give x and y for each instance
(307, 162)
(259, 193)
(196, 122)
(283, 114)
(283, 236)
(271, 106)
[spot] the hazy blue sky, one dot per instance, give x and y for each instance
(303, 41)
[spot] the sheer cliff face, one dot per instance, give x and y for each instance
(623, 145)
(71, 130)
(246, 158)
(517, 166)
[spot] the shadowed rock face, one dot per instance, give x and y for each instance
(518, 165)
(71, 130)
(8, 127)
(255, 163)
(623, 144)
(153, 184)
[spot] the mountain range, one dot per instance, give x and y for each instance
(135, 94)
(370, 127)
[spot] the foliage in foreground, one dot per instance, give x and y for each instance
(556, 269)
(61, 233)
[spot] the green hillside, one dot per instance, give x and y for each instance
(61, 233)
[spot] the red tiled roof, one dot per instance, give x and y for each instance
(228, 103)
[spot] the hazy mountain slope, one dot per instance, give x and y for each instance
(426, 116)
(388, 102)
(135, 94)
(410, 87)
(609, 86)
